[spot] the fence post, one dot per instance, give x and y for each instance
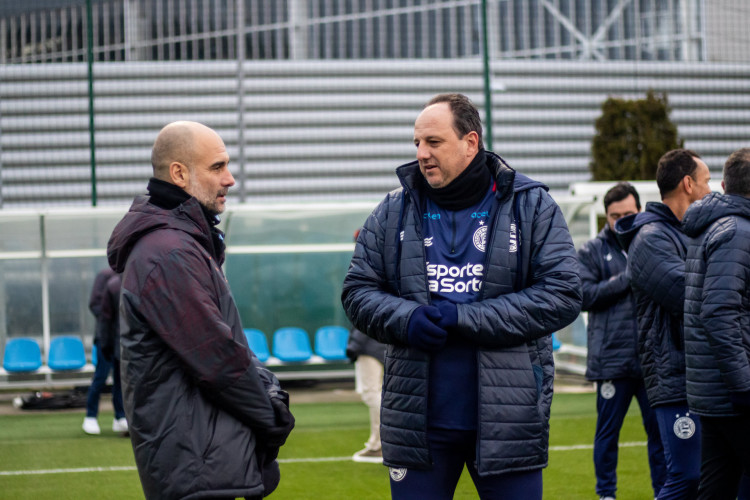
(240, 30)
(487, 79)
(90, 61)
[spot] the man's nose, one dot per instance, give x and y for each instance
(423, 152)
(229, 179)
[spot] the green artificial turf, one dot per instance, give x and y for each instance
(58, 461)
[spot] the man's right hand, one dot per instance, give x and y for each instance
(423, 332)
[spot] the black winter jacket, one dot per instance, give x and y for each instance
(656, 249)
(612, 325)
(196, 398)
(526, 295)
(717, 303)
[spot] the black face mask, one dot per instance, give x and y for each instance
(465, 190)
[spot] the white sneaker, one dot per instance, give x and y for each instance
(607, 498)
(120, 425)
(368, 456)
(91, 426)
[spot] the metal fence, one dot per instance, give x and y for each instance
(168, 30)
(330, 130)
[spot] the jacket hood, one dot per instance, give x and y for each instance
(627, 227)
(505, 177)
(144, 218)
(712, 207)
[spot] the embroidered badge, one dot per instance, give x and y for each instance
(397, 474)
(607, 390)
(480, 238)
(684, 427)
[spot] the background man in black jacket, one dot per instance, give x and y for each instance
(657, 248)
(717, 329)
(612, 360)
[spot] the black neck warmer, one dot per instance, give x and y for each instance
(465, 190)
(165, 195)
(169, 196)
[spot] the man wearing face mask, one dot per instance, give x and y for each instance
(465, 271)
(206, 418)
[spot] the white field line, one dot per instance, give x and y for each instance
(129, 468)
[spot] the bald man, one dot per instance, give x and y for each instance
(206, 418)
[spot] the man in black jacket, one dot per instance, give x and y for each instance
(717, 329)
(465, 272)
(612, 360)
(206, 418)
(656, 249)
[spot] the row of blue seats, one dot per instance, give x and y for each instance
(23, 355)
(292, 344)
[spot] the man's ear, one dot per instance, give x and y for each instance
(179, 174)
(687, 184)
(472, 142)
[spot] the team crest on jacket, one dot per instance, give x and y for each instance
(480, 238)
(684, 427)
(607, 390)
(397, 474)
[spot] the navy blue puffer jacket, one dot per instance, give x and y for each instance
(387, 281)
(612, 325)
(717, 303)
(656, 249)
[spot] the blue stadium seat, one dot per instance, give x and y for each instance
(330, 342)
(556, 344)
(66, 353)
(291, 344)
(258, 343)
(22, 355)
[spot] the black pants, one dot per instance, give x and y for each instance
(725, 455)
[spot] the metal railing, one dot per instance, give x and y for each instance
(168, 30)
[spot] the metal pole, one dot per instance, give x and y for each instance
(487, 80)
(240, 95)
(90, 61)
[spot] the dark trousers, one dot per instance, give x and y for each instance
(725, 455)
(451, 450)
(612, 403)
(99, 381)
(681, 436)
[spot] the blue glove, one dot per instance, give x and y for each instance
(423, 331)
(449, 313)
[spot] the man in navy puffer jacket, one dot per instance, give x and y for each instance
(465, 272)
(612, 360)
(656, 249)
(717, 328)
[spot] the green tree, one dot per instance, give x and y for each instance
(631, 136)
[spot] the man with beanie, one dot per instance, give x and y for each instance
(717, 330)
(465, 272)
(206, 418)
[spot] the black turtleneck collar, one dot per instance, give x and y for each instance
(166, 195)
(467, 189)
(170, 196)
